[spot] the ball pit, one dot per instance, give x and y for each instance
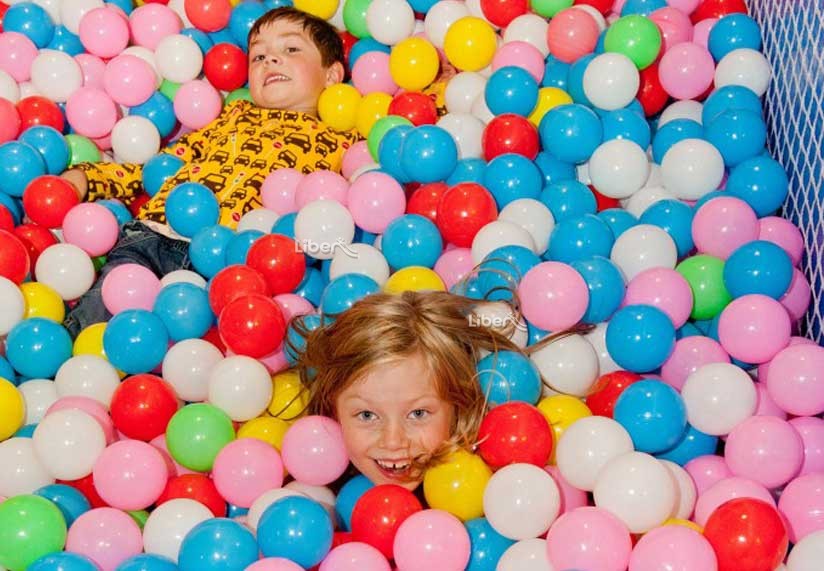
(604, 160)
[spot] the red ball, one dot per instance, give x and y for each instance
(9, 121)
(379, 513)
(14, 260)
(279, 259)
(48, 198)
(463, 211)
(6, 219)
(425, 200)
(225, 66)
(419, 108)
(142, 406)
(604, 202)
(35, 238)
(747, 535)
(208, 15)
(85, 486)
(37, 110)
(606, 390)
(515, 432)
(651, 93)
(348, 41)
(194, 487)
(510, 133)
(233, 282)
(213, 337)
(252, 325)
(603, 6)
(3, 8)
(502, 12)
(717, 9)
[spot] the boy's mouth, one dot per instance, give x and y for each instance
(275, 78)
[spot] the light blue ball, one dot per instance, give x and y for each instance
(568, 199)
(510, 177)
(190, 207)
(37, 347)
(692, 444)
(135, 341)
(51, 145)
(19, 165)
(72, 502)
(618, 219)
(737, 134)
(760, 267)
(31, 20)
(579, 238)
(507, 376)
(672, 132)
(348, 496)
(640, 338)
(158, 169)
(553, 169)
(571, 132)
(511, 89)
(761, 182)
(295, 528)
(185, 311)
(147, 562)
(654, 415)
(207, 250)
(63, 561)
(430, 153)
(675, 218)
(342, 293)
(411, 240)
(626, 124)
(218, 544)
(487, 545)
(468, 170)
(606, 287)
(732, 32)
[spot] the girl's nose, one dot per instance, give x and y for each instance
(394, 437)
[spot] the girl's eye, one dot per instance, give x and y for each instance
(292, 50)
(366, 415)
(419, 414)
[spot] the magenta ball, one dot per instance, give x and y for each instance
(589, 538)
(432, 539)
(765, 449)
(314, 452)
(673, 547)
(375, 199)
(754, 328)
(722, 225)
(802, 505)
(130, 475)
(91, 227)
(246, 468)
(553, 296)
(130, 286)
(686, 70)
(725, 490)
(689, 355)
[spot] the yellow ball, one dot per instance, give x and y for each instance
(372, 107)
(42, 301)
(414, 278)
(685, 523)
(321, 8)
(458, 485)
(414, 63)
(338, 106)
(90, 341)
(266, 428)
(561, 411)
(289, 399)
(12, 409)
(470, 44)
(548, 97)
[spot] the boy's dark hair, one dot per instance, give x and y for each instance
(322, 33)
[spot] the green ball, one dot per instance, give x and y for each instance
(354, 17)
(196, 433)
(98, 263)
(82, 150)
(705, 274)
(239, 93)
(635, 36)
(169, 89)
(140, 517)
(379, 129)
(30, 527)
(548, 8)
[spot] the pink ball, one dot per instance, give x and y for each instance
(802, 505)
(686, 70)
(675, 26)
(432, 539)
(571, 497)
(764, 368)
(722, 225)
(796, 300)
(107, 536)
(91, 407)
(553, 296)
(686, 6)
(754, 328)
(313, 450)
(371, 73)
(129, 80)
(784, 233)
(320, 185)
(673, 547)
(274, 564)
(520, 54)
(572, 33)
(103, 143)
(355, 556)
(375, 199)
(701, 31)
(151, 23)
(17, 52)
(197, 103)
(795, 380)
(706, 471)
(92, 68)
(355, 158)
(278, 190)
(766, 405)
(726, 490)
(765, 449)
(130, 286)
(275, 361)
(92, 227)
(291, 304)
(246, 468)
(9, 121)
(454, 265)
(589, 538)
(663, 288)
(175, 469)
(690, 354)
(104, 32)
(811, 429)
(130, 475)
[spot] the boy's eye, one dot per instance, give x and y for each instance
(366, 415)
(258, 57)
(419, 413)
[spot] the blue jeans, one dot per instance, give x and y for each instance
(137, 244)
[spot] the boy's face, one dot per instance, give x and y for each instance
(392, 415)
(286, 69)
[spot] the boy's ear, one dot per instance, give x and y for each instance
(334, 74)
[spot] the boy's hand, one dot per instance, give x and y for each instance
(78, 180)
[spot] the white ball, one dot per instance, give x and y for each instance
(526, 555)
(241, 387)
(390, 21)
(476, 10)
(12, 305)
(684, 109)
(718, 396)
(72, 11)
(56, 74)
(619, 168)
(178, 58)
(746, 67)
(168, 524)
(687, 493)
(440, 17)
(39, 395)
(499, 233)
(135, 139)
(611, 81)
(21, 471)
(534, 217)
(146, 55)
(66, 269)
(808, 553)
(638, 489)
(692, 168)
(180, 10)
(521, 501)
(595, 13)
(187, 366)
(569, 365)
(499, 314)
(258, 219)
(321, 494)
(586, 446)
(368, 261)
(183, 276)
(467, 131)
(481, 110)
(264, 501)
(462, 91)
(642, 247)
(28, 89)
(8, 87)
(644, 198)
(68, 443)
(87, 376)
(52, 7)
(529, 28)
(322, 227)
(598, 339)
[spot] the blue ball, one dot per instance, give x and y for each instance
(728, 98)
(411, 240)
(121, 213)
(468, 170)
(202, 39)
(468, 288)
(511, 89)
(272, 4)
(185, 311)
(626, 124)
(207, 250)
(422, 6)
(502, 269)
(31, 20)
(389, 152)
(191, 207)
(640, 338)
(218, 544)
(63, 561)
(642, 7)
(737, 134)
(233, 511)
(342, 292)
(224, 35)
(295, 342)
(26, 431)
(311, 286)
(135, 341)
(758, 267)
(285, 225)
(571, 132)
(65, 41)
(147, 562)
(654, 415)
(487, 545)
(430, 153)
(365, 45)
(579, 238)
(19, 165)
(554, 170)
(160, 111)
(242, 19)
(556, 73)
(687, 330)
(158, 169)
(72, 502)
(36, 347)
(239, 246)
(674, 217)
(51, 145)
(7, 371)
(507, 376)
(761, 182)
(534, 334)
(295, 528)
(510, 177)
(568, 199)
(125, 5)
(732, 32)
(692, 444)
(14, 205)
(618, 219)
(575, 80)
(672, 132)
(606, 287)
(348, 496)
(707, 197)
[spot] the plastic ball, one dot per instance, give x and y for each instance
(215, 543)
(32, 527)
(640, 324)
(413, 64)
(21, 164)
(746, 67)
(653, 414)
(196, 433)
(686, 70)
(515, 433)
(296, 528)
(511, 89)
(611, 81)
(635, 36)
(337, 106)
(718, 397)
(571, 132)
(470, 44)
(747, 534)
(252, 325)
(521, 501)
(506, 376)
(135, 341)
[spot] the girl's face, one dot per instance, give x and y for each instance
(391, 416)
